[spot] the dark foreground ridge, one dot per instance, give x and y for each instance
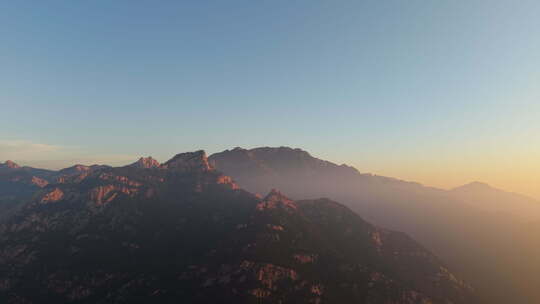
(182, 232)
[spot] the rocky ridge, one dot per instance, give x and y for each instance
(183, 231)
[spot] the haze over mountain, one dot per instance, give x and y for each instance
(487, 235)
(482, 232)
(184, 232)
(418, 123)
(489, 199)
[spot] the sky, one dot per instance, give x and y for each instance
(439, 92)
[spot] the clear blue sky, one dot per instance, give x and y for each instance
(384, 85)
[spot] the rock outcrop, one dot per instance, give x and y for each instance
(190, 161)
(54, 195)
(10, 164)
(146, 163)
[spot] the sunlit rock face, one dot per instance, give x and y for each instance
(52, 196)
(184, 233)
(276, 199)
(10, 164)
(146, 163)
(18, 184)
(39, 182)
(190, 161)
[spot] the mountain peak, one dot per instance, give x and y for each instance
(189, 161)
(275, 198)
(145, 163)
(260, 169)
(282, 250)
(274, 193)
(80, 168)
(11, 164)
(474, 186)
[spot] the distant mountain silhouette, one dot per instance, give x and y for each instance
(477, 229)
(489, 199)
(182, 232)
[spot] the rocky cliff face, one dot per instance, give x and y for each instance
(146, 163)
(190, 161)
(183, 232)
(10, 164)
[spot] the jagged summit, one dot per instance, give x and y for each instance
(146, 163)
(10, 164)
(276, 195)
(189, 161)
(276, 199)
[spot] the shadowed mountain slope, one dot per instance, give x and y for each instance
(477, 232)
(183, 232)
(18, 184)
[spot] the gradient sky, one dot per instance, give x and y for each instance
(440, 92)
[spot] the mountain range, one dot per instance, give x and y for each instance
(486, 235)
(182, 231)
(18, 184)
